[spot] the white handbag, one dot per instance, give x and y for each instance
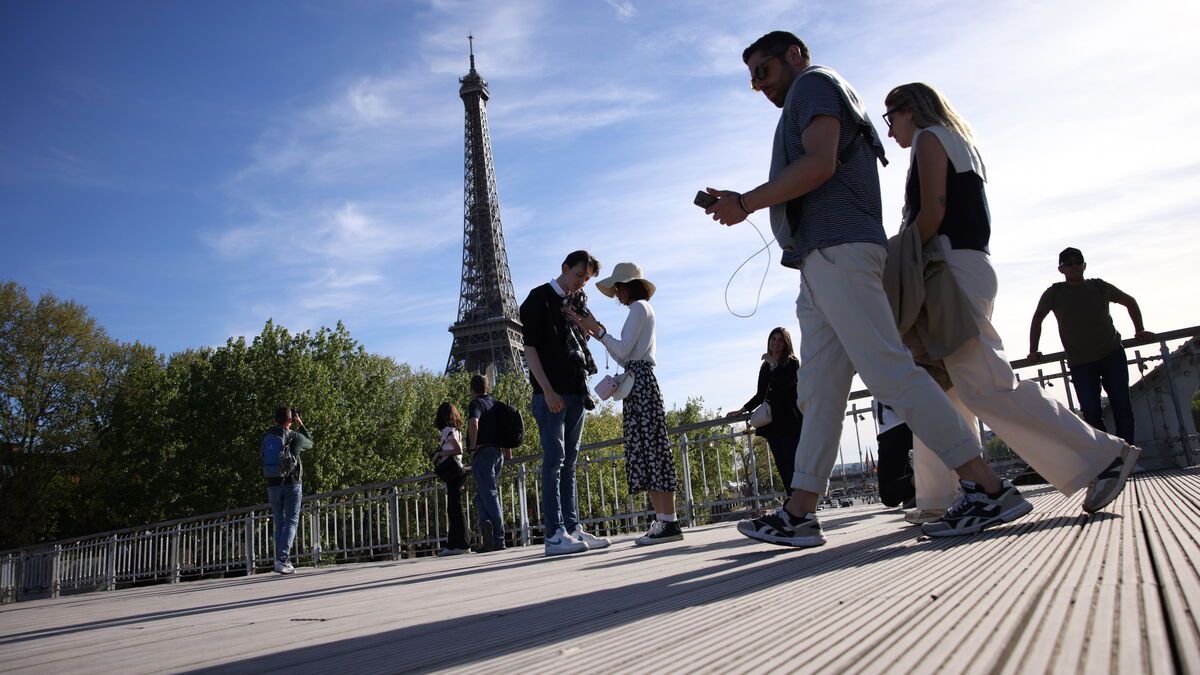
(616, 388)
(761, 416)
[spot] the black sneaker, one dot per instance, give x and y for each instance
(660, 532)
(780, 527)
(975, 510)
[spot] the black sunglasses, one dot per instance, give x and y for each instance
(887, 116)
(760, 72)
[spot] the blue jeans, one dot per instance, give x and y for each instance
(560, 434)
(486, 466)
(1111, 372)
(285, 515)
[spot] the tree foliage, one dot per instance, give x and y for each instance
(100, 435)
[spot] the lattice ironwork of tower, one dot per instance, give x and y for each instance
(487, 335)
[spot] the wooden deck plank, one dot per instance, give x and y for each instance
(1051, 592)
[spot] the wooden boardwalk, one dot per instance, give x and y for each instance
(1053, 592)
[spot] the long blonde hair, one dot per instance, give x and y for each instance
(928, 107)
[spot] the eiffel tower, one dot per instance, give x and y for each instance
(487, 335)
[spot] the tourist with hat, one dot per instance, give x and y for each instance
(649, 462)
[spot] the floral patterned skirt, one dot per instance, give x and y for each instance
(649, 460)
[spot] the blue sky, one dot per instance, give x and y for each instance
(188, 170)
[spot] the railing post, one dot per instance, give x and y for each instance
(249, 543)
(1184, 443)
(753, 469)
(111, 584)
(394, 521)
(1067, 387)
(687, 480)
(314, 527)
(523, 503)
(55, 571)
(175, 537)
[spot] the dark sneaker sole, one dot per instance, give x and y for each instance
(647, 541)
(794, 542)
(1129, 463)
(1006, 517)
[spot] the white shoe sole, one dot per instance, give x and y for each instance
(795, 542)
(647, 541)
(565, 551)
(601, 543)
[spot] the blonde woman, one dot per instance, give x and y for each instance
(649, 461)
(945, 198)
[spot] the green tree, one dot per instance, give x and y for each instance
(57, 372)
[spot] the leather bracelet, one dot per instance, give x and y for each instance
(742, 204)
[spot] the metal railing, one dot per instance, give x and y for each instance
(724, 471)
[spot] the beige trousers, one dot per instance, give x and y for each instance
(846, 325)
(1055, 442)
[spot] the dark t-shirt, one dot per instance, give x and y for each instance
(480, 409)
(545, 330)
(1084, 322)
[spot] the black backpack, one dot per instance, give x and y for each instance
(509, 426)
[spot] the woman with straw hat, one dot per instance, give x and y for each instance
(649, 461)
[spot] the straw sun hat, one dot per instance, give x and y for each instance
(624, 273)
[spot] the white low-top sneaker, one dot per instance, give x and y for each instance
(593, 542)
(562, 544)
(284, 567)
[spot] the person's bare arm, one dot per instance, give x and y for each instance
(472, 433)
(931, 167)
(1035, 328)
(802, 176)
(1135, 315)
(553, 401)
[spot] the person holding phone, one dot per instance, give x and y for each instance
(559, 394)
(649, 460)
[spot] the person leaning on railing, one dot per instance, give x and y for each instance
(283, 482)
(1093, 346)
(777, 387)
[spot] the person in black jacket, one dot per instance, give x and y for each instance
(777, 386)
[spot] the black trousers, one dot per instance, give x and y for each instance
(454, 512)
(895, 467)
(783, 437)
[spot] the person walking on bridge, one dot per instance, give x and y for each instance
(826, 214)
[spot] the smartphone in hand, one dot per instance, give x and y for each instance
(704, 200)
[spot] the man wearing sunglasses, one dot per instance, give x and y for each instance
(826, 213)
(1093, 346)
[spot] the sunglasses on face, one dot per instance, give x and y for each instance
(760, 72)
(887, 116)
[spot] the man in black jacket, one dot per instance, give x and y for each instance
(559, 392)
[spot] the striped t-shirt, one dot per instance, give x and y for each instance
(847, 207)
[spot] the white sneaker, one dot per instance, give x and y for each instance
(284, 568)
(447, 552)
(562, 544)
(922, 516)
(593, 542)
